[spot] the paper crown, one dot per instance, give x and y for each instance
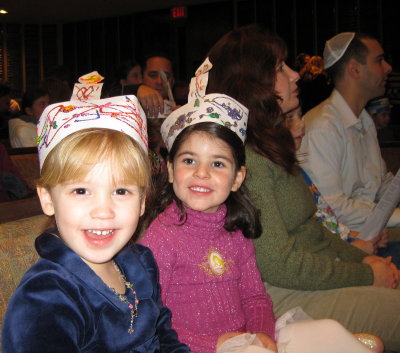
(60, 120)
(336, 47)
(217, 108)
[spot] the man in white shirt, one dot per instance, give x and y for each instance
(340, 151)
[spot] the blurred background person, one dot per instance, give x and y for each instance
(22, 130)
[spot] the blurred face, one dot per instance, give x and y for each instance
(295, 124)
(381, 120)
(95, 216)
(203, 172)
(152, 78)
(37, 107)
(134, 77)
(286, 87)
(376, 70)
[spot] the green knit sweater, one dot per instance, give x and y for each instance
(294, 250)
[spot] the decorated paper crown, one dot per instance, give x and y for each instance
(60, 120)
(217, 108)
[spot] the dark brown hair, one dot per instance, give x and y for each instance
(244, 67)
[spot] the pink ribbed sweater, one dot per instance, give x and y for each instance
(209, 278)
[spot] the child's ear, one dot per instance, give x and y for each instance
(239, 179)
(46, 201)
(170, 168)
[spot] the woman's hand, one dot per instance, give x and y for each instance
(385, 272)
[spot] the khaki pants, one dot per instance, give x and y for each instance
(359, 309)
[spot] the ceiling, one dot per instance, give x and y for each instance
(62, 11)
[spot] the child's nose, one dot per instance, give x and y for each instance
(159, 80)
(300, 123)
(202, 171)
(102, 208)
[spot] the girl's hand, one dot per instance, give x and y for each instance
(226, 336)
(267, 341)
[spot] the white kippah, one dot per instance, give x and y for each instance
(336, 47)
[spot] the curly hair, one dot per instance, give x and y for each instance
(244, 67)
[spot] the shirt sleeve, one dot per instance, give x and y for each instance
(256, 302)
(45, 315)
(285, 263)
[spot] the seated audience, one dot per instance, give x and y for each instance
(340, 151)
(302, 263)
(201, 240)
(23, 128)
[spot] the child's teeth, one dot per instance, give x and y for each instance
(199, 189)
(100, 232)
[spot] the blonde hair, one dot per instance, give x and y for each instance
(74, 157)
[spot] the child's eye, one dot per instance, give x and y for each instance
(80, 191)
(188, 161)
(121, 191)
(218, 164)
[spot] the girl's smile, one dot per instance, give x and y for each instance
(204, 173)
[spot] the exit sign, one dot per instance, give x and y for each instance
(179, 12)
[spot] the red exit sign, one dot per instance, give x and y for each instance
(179, 12)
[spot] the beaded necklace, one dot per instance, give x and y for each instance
(124, 299)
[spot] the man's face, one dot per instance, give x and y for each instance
(374, 73)
(152, 78)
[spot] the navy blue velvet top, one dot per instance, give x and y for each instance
(61, 305)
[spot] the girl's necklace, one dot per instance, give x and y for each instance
(123, 298)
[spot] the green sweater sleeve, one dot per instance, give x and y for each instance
(294, 250)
